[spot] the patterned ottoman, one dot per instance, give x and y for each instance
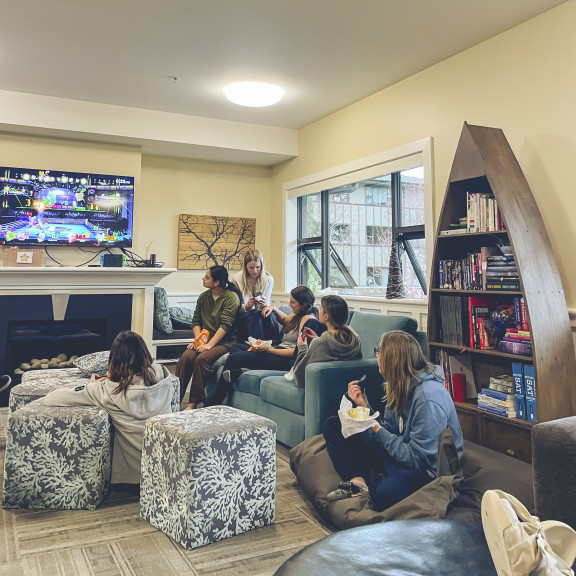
(37, 383)
(57, 458)
(208, 474)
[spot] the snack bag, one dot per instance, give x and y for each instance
(202, 338)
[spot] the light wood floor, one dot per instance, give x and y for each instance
(114, 541)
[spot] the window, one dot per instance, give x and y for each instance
(342, 223)
(345, 240)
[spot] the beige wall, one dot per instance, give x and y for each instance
(173, 186)
(164, 188)
(523, 81)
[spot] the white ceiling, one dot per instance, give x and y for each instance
(326, 54)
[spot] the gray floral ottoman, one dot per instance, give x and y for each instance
(57, 458)
(36, 384)
(208, 474)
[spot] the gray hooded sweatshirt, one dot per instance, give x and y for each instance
(128, 412)
(323, 349)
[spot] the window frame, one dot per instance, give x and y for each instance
(418, 153)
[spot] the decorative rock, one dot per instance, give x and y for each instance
(25, 366)
(44, 366)
(62, 357)
(18, 371)
(44, 361)
(35, 366)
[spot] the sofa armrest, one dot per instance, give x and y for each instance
(553, 465)
(326, 382)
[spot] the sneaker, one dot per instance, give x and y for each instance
(347, 490)
(5, 382)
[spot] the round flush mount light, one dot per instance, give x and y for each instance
(253, 94)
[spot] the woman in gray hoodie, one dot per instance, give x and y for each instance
(339, 342)
(134, 390)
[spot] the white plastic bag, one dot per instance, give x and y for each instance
(350, 425)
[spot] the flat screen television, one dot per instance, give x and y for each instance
(51, 207)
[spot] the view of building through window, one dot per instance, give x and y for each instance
(346, 235)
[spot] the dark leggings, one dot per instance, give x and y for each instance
(361, 455)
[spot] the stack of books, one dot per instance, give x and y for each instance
(483, 214)
(501, 273)
(495, 402)
(516, 342)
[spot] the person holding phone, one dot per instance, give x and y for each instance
(255, 286)
(338, 342)
(398, 455)
(281, 354)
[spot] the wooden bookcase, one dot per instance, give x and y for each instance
(485, 163)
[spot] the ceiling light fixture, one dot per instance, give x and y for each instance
(253, 94)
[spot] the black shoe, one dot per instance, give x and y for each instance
(5, 381)
(347, 490)
(233, 375)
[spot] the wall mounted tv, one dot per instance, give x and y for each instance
(50, 207)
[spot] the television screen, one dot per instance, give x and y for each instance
(48, 207)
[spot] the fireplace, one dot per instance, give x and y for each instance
(79, 308)
(46, 326)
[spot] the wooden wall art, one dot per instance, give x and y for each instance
(207, 240)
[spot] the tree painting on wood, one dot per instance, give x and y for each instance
(207, 240)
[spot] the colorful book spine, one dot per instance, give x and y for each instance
(518, 375)
(524, 315)
(530, 392)
(517, 313)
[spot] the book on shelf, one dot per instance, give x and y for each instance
(530, 392)
(513, 347)
(503, 383)
(493, 397)
(518, 375)
(487, 252)
(498, 259)
(504, 412)
(524, 315)
(483, 213)
(453, 231)
(462, 364)
(517, 336)
(503, 271)
(503, 284)
(453, 319)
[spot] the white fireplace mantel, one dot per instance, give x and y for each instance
(88, 278)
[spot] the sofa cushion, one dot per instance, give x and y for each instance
(284, 393)
(181, 317)
(250, 381)
(94, 363)
(162, 320)
(370, 327)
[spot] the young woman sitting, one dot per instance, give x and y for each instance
(398, 455)
(338, 342)
(215, 312)
(134, 390)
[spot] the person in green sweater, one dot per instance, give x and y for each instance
(215, 312)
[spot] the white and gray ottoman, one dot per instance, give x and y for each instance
(37, 383)
(208, 474)
(57, 458)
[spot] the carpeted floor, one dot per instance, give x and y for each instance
(114, 541)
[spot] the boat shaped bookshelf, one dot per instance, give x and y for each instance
(485, 164)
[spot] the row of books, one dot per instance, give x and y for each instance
(484, 323)
(483, 213)
(525, 391)
(484, 270)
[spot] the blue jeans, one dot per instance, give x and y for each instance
(360, 455)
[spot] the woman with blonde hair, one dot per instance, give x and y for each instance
(398, 455)
(255, 285)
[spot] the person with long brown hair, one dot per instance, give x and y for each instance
(397, 455)
(338, 342)
(134, 389)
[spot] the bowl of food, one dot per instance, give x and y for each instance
(256, 343)
(359, 413)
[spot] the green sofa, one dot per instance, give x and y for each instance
(301, 412)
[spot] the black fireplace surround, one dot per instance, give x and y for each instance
(28, 328)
